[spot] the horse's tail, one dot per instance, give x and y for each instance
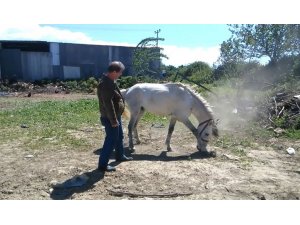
(126, 112)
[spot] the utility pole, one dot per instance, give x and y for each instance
(156, 32)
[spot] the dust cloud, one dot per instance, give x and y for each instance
(236, 104)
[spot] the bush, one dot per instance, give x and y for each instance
(127, 81)
(92, 84)
(71, 85)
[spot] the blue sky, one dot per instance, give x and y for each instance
(193, 29)
(181, 35)
(183, 44)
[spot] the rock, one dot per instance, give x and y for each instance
(291, 151)
(231, 157)
(262, 198)
(44, 194)
(29, 156)
(158, 125)
(24, 126)
(53, 183)
(8, 192)
(279, 130)
(296, 98)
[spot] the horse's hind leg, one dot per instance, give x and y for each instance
(170, 131)
(132, 122)
(135, 133)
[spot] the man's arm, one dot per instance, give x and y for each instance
(107, 95)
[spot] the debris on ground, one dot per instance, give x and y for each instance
(291, 151)
(281, 111)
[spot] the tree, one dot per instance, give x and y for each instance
(235, 69)
(147, 57)
(199, 72)
(253, 41)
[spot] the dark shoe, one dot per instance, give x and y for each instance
(124, 159)
(108, 168)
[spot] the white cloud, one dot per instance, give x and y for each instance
(177, 55)
(48, 33)
(183, 55)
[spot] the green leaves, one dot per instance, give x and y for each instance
(253, 41)
(147, 57)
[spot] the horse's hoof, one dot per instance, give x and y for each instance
(169, 149)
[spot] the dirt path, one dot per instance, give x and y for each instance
(263, 173)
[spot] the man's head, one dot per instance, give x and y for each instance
(115, 70)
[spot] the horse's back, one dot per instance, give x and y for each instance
(158, 98)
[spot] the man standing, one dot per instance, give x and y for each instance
(111, 105)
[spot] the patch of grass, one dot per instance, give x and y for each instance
(152, 118)
(47, 123)
(236, 143)
(293, 134)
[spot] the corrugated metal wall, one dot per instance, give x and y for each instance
(11, 64)
(36, 65)
(54, 49)
(90, 58)
(61, 60)
(71, 72)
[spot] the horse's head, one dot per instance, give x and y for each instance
(204, 132)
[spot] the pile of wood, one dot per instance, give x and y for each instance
(282, 110)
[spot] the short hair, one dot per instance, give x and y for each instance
(116, 66)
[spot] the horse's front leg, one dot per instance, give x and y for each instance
(189, 125)
(170, 131)
(200, 146)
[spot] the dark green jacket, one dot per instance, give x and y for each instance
(111, 102)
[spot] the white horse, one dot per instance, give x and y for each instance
(175, 100)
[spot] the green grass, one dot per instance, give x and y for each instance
(54, 124)
(50, 123)
(292, 134)
(152, 118)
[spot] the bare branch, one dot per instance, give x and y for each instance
(131, 194)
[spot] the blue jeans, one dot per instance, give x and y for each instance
(113, 140)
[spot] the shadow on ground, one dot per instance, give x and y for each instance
(76, 184)
(163, 156)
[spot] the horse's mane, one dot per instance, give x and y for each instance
(193, 91)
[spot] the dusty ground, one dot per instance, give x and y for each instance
(264, 173)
